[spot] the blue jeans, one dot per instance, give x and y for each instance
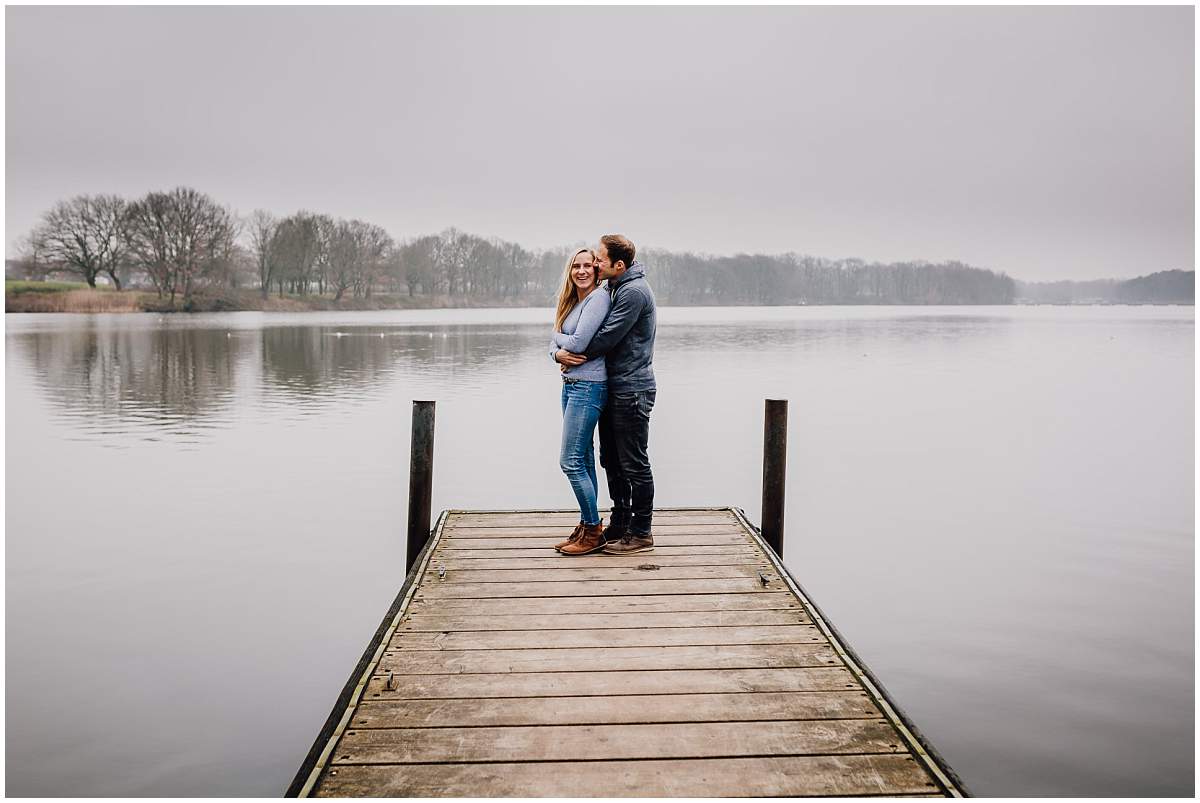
(582, 403)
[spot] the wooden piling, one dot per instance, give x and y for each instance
(420, 480)
(774, 472)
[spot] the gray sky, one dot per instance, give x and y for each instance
(1050, 143)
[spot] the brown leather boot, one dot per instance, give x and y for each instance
(572, 538)
(590, 540)
(630, 544)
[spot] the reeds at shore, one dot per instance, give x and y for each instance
(24, 296)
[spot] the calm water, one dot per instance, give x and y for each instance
(205, 520)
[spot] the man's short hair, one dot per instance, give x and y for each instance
(620, 248)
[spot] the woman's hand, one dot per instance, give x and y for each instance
(567, 358)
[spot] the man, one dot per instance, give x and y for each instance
(626, 340)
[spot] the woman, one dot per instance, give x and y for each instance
(582, 308)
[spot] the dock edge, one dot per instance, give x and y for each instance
(928, 754)
(347, 701)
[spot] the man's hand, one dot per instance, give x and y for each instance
(567, 358)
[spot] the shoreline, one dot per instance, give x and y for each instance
(90, 302)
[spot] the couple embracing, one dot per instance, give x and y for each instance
(604, 345)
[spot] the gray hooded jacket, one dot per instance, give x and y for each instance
(626, 340)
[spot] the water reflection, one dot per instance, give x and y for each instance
(799, 336)
(180, 377)
(178, 381)
(98, 377)
(301, 362)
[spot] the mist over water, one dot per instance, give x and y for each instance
(205, 519)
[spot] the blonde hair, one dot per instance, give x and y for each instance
(567, 297)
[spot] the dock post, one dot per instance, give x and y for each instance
(420, 480)
(774, 472)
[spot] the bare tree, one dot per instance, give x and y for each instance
(326, 229)
(342, 255)
(374, 247)
(84, 236)
(180, 239)
(262, 227)
(30, 264)
(418, 263)
(357, 254)
(298, 248)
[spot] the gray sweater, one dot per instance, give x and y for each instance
(626, 340)
(581, 323)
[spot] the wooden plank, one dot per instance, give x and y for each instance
(545, 527)
(609, 742)
(629, 709)
(542, 560)
(589, 684)
(549, 526)
(667, 673)
(564, 570)
(528, 531)
(740, 656)
(572, 517)
(628, 604)
(593, 588)
(819, 776)
(638, 637)
(549, 540)
(431, 621)
(721, 551)
(573, 513)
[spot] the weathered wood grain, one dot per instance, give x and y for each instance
(547, 551)
(632, 637)
(630, 709)
(609, 742)
(588, 684)
(759, 600)
(570, 519)
(594, 659)
(565, 571)
(595, 560)
(525, 531)
(799, 776)
(594, 621)
(550, 539)
(593, 588)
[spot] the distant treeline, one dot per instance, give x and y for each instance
(688, 279)
(194, 253)
(1164, 287)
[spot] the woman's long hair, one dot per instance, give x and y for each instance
(567, 297)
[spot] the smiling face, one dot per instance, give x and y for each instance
(583, 271)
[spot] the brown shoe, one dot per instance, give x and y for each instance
(590, 540)
(630, 544)
(572, 538)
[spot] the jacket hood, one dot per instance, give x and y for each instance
(634, 271)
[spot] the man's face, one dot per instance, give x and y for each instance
(604, 266)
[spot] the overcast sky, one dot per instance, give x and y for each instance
(1050, 143)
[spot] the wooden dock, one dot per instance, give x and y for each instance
(700, 669)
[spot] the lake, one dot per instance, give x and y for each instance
(205, 519)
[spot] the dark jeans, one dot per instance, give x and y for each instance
(624, 437)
